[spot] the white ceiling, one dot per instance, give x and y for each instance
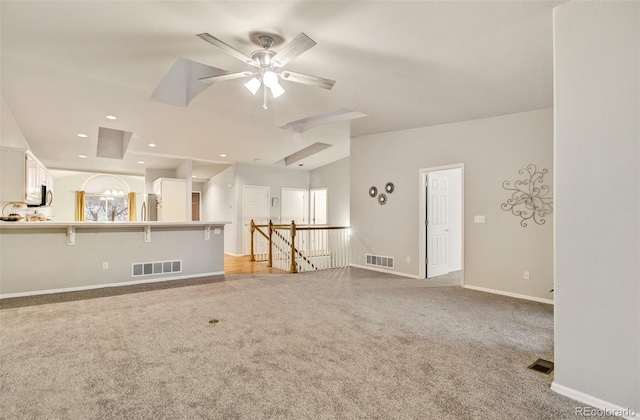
(66, 65)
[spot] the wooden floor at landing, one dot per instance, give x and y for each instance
(243, 265)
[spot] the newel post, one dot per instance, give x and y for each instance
(293, 268)
(253, 229)
(270, 257)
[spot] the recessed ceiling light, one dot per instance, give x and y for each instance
(223, 155)
(193, 176)
(112, 117)
(84, 136)
(140, 162)
(152, 145)
(82, 156)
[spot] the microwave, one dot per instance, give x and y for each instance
(46, 198)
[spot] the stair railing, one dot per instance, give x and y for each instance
(297, 248)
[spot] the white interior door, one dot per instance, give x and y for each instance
(437, 224)
(293, 206)
(255, 205)
(318, 207)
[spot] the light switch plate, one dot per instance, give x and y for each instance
(478, 219)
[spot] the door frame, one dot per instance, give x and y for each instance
(422, 212)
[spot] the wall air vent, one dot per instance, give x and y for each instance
(157, 267)
(379, 261)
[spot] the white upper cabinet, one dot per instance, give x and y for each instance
(23, 177)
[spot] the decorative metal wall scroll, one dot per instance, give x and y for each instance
(530, 198)
(382, 197)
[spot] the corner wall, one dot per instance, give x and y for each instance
(597, 238)
(334, 177)
(492, 150)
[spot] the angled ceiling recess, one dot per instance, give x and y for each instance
(180, 84)
(306, 152)
(304, 124)
(266, 64)
(112, 143)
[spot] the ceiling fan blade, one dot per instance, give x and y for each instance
(300, 44)
(227, 76)
(226, 47)
(306, 79)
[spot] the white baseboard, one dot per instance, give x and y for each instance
(234, 255)
(604, 407)
(382, 270)
(514, 295)
(102, 286)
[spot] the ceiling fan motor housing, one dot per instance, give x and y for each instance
(263, 58)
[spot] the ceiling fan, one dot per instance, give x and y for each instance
(267, 63)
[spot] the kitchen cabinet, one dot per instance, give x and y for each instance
(172, 199)
(23, 177)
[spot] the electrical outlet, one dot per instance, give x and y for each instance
(526, 275)
(408, 258)
(105, 265)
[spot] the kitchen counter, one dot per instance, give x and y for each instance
(51, 256)
(52, 224)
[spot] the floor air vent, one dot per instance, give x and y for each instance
(379, 261)
(542, 365)
(157, 267)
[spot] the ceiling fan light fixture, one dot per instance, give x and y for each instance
(270, 78)
(253, 85)
(276, 89)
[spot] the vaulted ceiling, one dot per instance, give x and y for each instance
(405, 64)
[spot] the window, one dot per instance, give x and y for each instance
(106, 207)
(106, 199)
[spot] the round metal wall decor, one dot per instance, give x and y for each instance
(389, 187)
(382, 199)
(373, 191)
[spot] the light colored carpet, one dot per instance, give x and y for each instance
(337, 344)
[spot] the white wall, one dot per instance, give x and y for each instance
(597, 238)
(335, 177)
(492, 151)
